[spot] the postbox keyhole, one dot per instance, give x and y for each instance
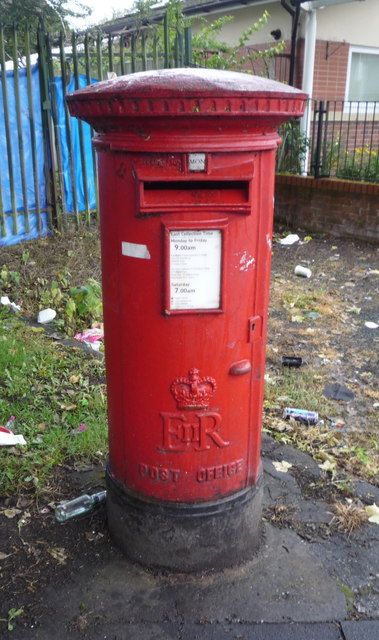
(255, 328)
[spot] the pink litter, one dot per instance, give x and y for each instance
(90, 335)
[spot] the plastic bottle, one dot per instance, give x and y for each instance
(10, 423)
(79, 505)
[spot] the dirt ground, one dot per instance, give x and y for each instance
(322, 319)
(333, 306)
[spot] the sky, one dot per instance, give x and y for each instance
(102, 10)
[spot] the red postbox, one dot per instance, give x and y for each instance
(186, 180)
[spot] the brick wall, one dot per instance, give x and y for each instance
(329, 81)
(331, 58)
(339, 207)
(330, 70)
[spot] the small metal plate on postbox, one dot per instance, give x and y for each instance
(255, 328)
(197, 162)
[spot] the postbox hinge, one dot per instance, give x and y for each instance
(255, 328)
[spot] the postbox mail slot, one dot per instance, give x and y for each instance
(231, 194)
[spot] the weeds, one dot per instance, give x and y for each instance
(349, 596)
(50, 390)
(333, 448)
(12, 615)
(360, 164)
(348, 517)
(280, 514)
(289, 389)
(39, 278)
(77, 307)
(293, 150)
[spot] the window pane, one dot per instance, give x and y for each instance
(364, 77)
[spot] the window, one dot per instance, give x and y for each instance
(363, 74)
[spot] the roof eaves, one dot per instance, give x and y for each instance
(190, 8)
(193, 7)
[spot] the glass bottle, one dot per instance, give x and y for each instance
(77, 506)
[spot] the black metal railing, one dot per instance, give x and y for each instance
(335, 139)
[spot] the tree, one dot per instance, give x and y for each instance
(210, 51)
(26, 14)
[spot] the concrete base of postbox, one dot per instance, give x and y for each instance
(186, 537)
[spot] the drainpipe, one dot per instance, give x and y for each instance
(308, 72)
(294, 13)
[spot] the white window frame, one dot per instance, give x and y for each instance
(356, 106)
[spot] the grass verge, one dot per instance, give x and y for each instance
(57, 396)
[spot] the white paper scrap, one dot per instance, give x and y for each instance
(46, 315)
(282, 466)
(373, 513)
(290, 239)
(9, 439)
(7, 303)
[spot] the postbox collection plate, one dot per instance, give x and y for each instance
(194, 279)
(195, 269)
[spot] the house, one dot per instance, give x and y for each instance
(331, 46)
(332, 53)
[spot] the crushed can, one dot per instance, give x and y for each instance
(301, 415)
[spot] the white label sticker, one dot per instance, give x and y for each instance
(196, 161)
(195, 269)
(134, 250)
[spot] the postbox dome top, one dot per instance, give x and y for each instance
(185, 92)
(187, 82)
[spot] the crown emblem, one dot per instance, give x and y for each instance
(193, 392)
